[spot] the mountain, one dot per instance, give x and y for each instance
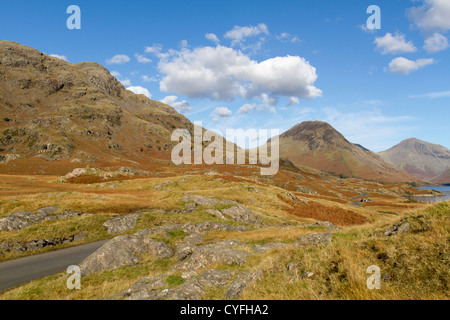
(318, 145)
(425, 160)
(56, 116)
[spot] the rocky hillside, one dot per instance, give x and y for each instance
(56, 116)
(425, 160)
(318, 145)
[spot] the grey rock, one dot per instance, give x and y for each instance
(398, 228)
(215, 278)
(13, 223)
(190, 206)
(326, 224)
(121, 251)
(201, 200)
(208, 254)
(121, 224)
(313, 239)
(144, 289)
(305, 189)
(241, 213)
(238, 286)
(204, 227)
(217, 213)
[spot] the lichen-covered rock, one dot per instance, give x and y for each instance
(398, 228)
(122, 251)
(13, 223)
(313, 239)
(226, 252)
(203, 227)
(122, 223)
(305, 189)
(238, 286)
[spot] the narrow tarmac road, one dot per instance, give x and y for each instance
(23, 270)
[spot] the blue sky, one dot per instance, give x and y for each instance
(265, 64)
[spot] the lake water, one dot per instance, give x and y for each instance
(443, 189)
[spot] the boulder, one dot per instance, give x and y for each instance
(238, 286)
(121, 251)
(121, 224)
(313, 239)
(13, 223)
(398, 228)
(220, 252)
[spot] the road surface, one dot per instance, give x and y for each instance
(23, 270)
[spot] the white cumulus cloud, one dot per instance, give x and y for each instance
(212, 37)
(433, 15)
(222, 73)
(405, 66)
(239, 34)
(221, 113)
(142, 59)
(180, 106)
(435, 43)
(140, 90)
(396, 44)
(118, 59)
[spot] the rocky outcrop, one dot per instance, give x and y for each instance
(398, 228)
(313, 239)
(156, 288)
(123, 251)
(226, 252)
(238, 286)
(235, 211)
(121, 224)
(305, 189)
(33, 245)
(22, 219)
(325, 224)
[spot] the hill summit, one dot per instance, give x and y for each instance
(318, 145)
(56, 116)
(425, 160)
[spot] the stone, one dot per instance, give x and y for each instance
(326, 224)
(121, 251)
(217, 213)
(215, 278)
(305, 189)
(13, 223)
(189, 274)
(190, 206)
(204, 227)
(238, 286)
(313, 239)
(398, 228)
(200, 200)
(241, 213)
(121, 224)
(222, 252)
